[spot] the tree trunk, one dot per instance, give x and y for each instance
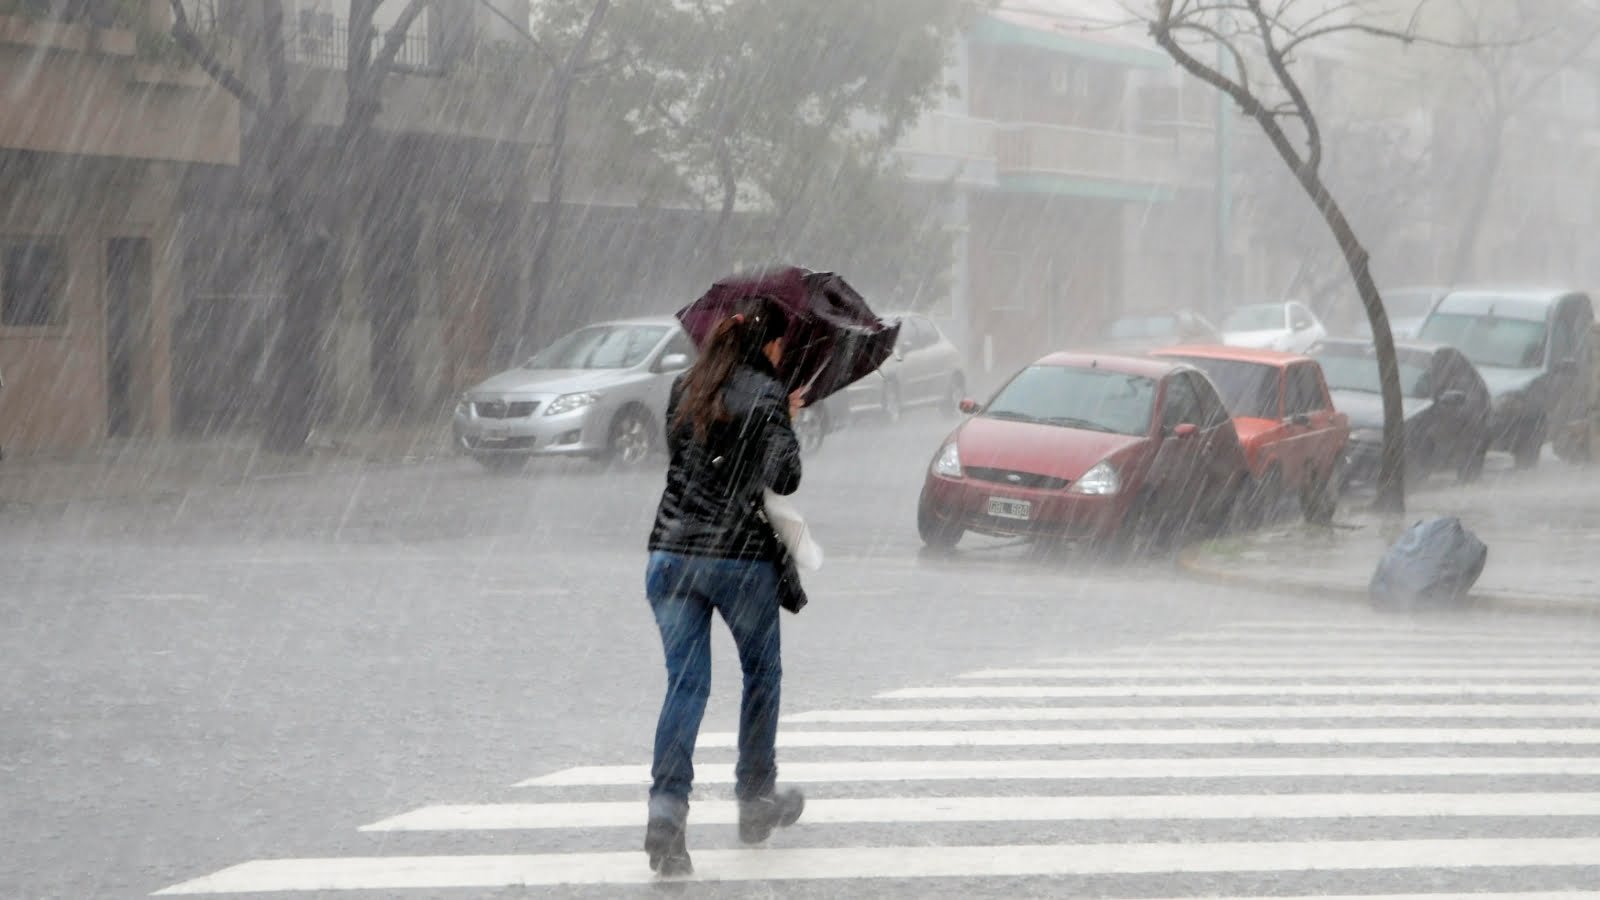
(391, 289)
(286, 165)
(730, 194)
(297, 359)
(1391, 470)
(566, 79)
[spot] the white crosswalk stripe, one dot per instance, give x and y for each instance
(516, 816)
(1100, 769)
(1099, 671)
(1297, 688)
(1394, 755)
(956, 714)
(395, 872)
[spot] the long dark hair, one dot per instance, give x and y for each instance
(737, 340)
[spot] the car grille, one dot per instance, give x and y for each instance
(1020, 479)
(512, 443)
(501, 409)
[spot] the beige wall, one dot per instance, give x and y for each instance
(75, 89)
(91, 136)
(55, 394)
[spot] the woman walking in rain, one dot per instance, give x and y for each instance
(712, 550)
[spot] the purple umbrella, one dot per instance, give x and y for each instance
(833, 339)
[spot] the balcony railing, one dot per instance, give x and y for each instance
(952, 136)
(321, 41)
(1060, 150)
(96, 13)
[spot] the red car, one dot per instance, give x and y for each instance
(1293, 437)
(1077, 446)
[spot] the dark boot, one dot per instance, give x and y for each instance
(758, 817)
(664, 838)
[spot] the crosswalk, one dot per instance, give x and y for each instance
(1374, 760)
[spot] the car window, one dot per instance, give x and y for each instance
(1357, 370)
(1302, 391)
(678, 343)
(912, 337)
(1489, 341)
(600, 347)
(1213, 411)
(904, 343)
(1248, 389)
(1262, 317)
(1133, 327)
(1180, 406)
(1071, 397)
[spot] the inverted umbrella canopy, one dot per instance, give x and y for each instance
(834, 338)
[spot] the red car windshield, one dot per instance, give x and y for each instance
(1249, 390)
(1069, 397)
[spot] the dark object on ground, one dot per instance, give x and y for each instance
(1434, 564)
(664, 838)
(834, 337)
(758, 817)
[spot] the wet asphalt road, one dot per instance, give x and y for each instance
(256, 671)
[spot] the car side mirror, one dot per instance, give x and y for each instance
(1453, 398)
(970, 406)
(1301, 420)
(1186, 430)
(673, 362)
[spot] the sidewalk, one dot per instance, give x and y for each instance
(138, 469)
(1542, 530)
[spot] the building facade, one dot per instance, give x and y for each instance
(97, 130)
(1067, 168)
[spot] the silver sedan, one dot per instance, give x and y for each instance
(599, 392)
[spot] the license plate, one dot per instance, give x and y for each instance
(496, 433)
(1001, 508)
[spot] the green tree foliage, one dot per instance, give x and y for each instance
(782, 116)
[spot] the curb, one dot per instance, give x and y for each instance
(1191, 561)
(165, 490)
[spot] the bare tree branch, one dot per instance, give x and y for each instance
(184, 34)
(1162, 29)
(1280, 68)
(1221, 40)
(1165, 26)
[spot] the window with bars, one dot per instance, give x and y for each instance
(32, 282)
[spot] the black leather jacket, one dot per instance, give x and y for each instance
(713, 497)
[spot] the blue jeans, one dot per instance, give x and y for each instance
(683, 590)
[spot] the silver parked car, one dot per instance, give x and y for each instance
(599, 392)
(925, 370)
